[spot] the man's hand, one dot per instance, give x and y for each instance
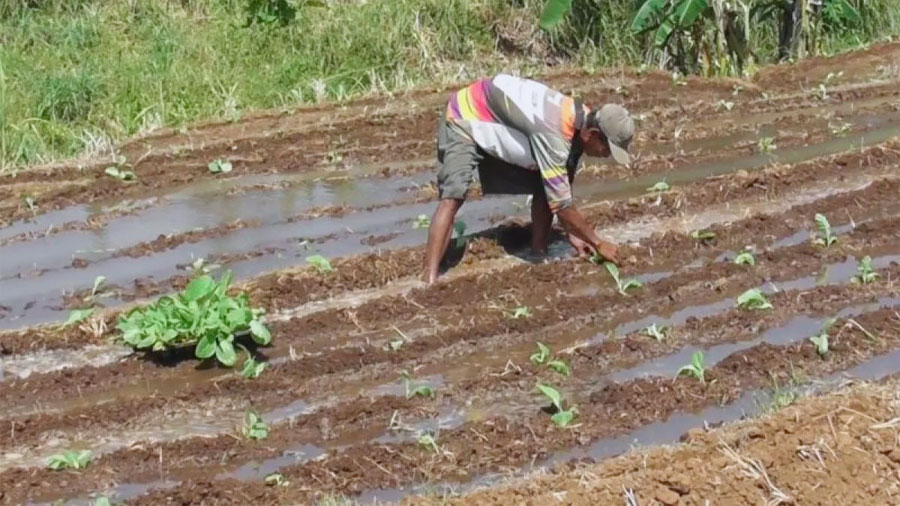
(609, 252)
(582, 248)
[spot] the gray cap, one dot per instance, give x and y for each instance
(618, 127)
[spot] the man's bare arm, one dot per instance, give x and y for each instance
(575, 224)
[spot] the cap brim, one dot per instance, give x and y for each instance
(619, 154)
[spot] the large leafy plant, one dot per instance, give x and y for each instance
(203, 314)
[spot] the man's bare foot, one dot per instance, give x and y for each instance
(429, 278)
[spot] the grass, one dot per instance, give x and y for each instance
(76, 77)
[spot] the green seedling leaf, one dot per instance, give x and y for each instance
(102, 501)
(422, 221)
(753, 299)
(696, 368)
(542, 355)
(766, 144)
(198, 288)
(552, 394)
(657, 332)
(276, 480)
(745, 258)
(72, 459)
(77, 316)
(206, 347)
(460, 228)
(560, 367)
(220, 167)
(825, 238)
(30, 203)
(821, 343)
(703, 235)
(260, 333)
(564, 418)
(225, 352)
(251, 368)
(254, 426)
(866, 273)
(320, 263)
(421, 391)
(396, 344)
(98, 282)
(121, 175)
(521, 312)
(428, 441)
(659, 187)
(625, 285)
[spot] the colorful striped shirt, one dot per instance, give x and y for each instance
(522, 122)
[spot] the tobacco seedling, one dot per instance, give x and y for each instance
(72, 459)
(659, 187)
(251, 368)
(562, 418)
(422, 221)
(724, 104)
(122, 175)
(254, 426)
(560, 367)
(428, 442)
(825, 237)
(98, 282)
(276, 480)
(623, 285)
(219, 167)
(745, 258)
(766, 144)
(520, 312)
(77, 316)
(320, 263)
(753, 299)
(30, 203)
(541, 356)
(840, 129)
(411, 390)
(101, 501)
(866, 273)
(657, 332)
(703, 235)
(696, 368)
(396, 344)
(820, 340)
(460, 227)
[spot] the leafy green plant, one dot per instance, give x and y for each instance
(254, 427)
(459, 227)
(866, 273)
(120, 174)
(623, 285)
(396, 344)
(541, 356)
(840, 129)
(553, 13)
(219, 167)
(251, 368)
(276, 480)
(657, 332)
(562, 418)
(320, 263)
(202, 314)
(825, 237)
(820, 340)
(422, 221)
(428, 442)
(72, 459)
(414, 390)
(560, 367)
(766, 144)
(696, 368)
(703, 235)
(659, 187)
(753, 299)
(745, 258)
(77, 316)
(101, 501)
(725, 104)
(520, 312)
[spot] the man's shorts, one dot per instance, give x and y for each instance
(459, 158)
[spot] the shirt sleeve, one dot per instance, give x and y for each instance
(551, 153)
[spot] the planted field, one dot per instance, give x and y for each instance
(763, 270)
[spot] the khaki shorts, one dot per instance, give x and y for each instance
(459, 158)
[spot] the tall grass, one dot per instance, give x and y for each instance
(76, 76)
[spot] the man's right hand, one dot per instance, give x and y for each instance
(609, 252)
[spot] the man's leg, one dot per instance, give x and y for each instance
(439, 237)
(541, 222)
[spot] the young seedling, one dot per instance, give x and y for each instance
(657, 332)
(623, 285)
(560, 367)
(320, 263)
(520, 312)
(840, 129)
(659, 187)
(825, 237)
(696, 368)
(77, 316)
(101, 501)
(251, 368)
(120, 174)
(422, 221)
(820, 340)
(866, 273)
(459, 227)
(541, 356)
(753, 299)
(562, 418)
(724, 104)
(412, 390)
(72, 459)
(254, 427)
(703, 235)
(678, 79)
(219, 167)
(30, 203)
(396, 344)
(745, 258)
(428, 442)
(276, 480)
(98, 282)
(766, 144)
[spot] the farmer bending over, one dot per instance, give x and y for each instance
(524, 139)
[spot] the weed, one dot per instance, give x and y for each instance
(422, 221)
(866, 273)
(696, 368)
(766, 144)
(251, 368)
(745, 258)
(276, 480)
(320, 264)
(562, 418)
(825, 237)
(821, 339)
(72, 459)
(412, 390)
(428, 442)
(541, 356)
(203, 313)
(560, 367)
(753, 299)
(703, 235)
(659, 187)
(254, 427)
(623, 285)
(219, 167)
(77, 316)
(657, 332)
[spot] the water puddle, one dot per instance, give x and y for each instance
(256, 471)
